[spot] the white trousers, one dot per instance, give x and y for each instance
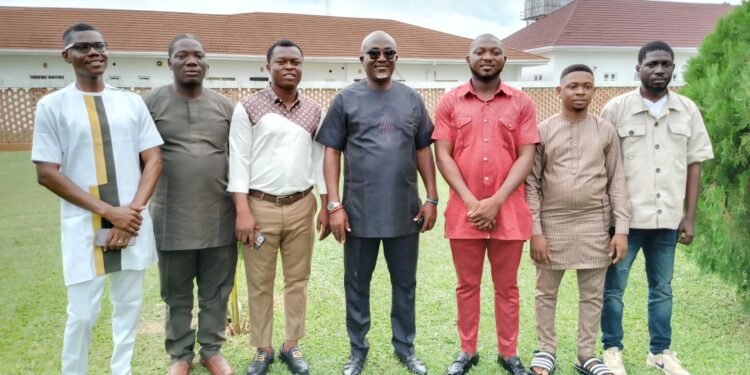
(84, 305)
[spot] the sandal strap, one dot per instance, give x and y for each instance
(543, 360)
(596, 366)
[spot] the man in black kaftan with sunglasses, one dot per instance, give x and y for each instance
(384, 131)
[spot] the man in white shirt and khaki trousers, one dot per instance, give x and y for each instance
(273, 164)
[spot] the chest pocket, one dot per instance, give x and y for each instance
(507, 125)
(679, 135)
(631, 139)
(505, 135)
(463, 132)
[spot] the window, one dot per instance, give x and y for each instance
(610, 76)
(538, 77)
(114, 78)
(144, 78)
(259, 79)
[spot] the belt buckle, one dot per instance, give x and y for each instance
(279, 199)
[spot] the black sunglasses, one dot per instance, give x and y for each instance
(375, 53)
(84, 47)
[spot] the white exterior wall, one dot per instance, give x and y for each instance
(150, 71)
(603, 61)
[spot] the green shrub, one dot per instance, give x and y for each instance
(718, 80)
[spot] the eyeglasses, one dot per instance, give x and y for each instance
(375, 53)
(84, 47)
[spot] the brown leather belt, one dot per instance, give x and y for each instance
(280, 200)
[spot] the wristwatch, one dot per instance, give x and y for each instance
(333, 206)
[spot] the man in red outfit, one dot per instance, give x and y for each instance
(485, 133)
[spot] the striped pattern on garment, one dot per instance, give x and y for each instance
(591, 296)
(576, 189)
(106, 179)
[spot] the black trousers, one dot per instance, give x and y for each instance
(213, 271)
(360, 257)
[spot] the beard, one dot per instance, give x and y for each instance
(656, 89)
(484, 77)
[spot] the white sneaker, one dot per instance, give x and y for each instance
(613, 359)
(667, 362)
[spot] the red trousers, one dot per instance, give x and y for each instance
(468, 258)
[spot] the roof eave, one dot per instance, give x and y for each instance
(237, 57)
(550, 49)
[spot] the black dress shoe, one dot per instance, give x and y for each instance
(354, 365)
(413, 364)
(462, 364)
(294, 360)
(260, 363)
(513, 365)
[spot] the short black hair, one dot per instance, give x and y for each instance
(282, 43)
(656, 45)
(575, 68)
(180, 37)
(67, 36)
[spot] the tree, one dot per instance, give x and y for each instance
(718, 80)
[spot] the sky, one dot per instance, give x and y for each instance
(467, 18)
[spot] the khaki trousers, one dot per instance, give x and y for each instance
(590, 296)
(289, 230)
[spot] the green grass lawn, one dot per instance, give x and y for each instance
(710, 331)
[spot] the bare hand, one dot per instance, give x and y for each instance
(483, 214)
(686, 232)
(339, 223)
(246, 228)
(125, 218)
(428, 212)
(117, 239)
(486, 226)
(539, 249)
(323, 228)
(618, 247)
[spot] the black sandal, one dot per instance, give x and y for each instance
(594, 366)
(543, 360)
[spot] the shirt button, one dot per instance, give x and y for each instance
(658, 195)
(486, 178)
(485, 140)
(658, 170)
(484, 158)
(631, 132)
(656, 147)
(658, 211)
(485, 120)
(656, 123)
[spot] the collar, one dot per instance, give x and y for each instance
(277, 100)
(468, 88)
(637, 105)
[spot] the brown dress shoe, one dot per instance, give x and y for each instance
(217, 365)
(180, 367)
